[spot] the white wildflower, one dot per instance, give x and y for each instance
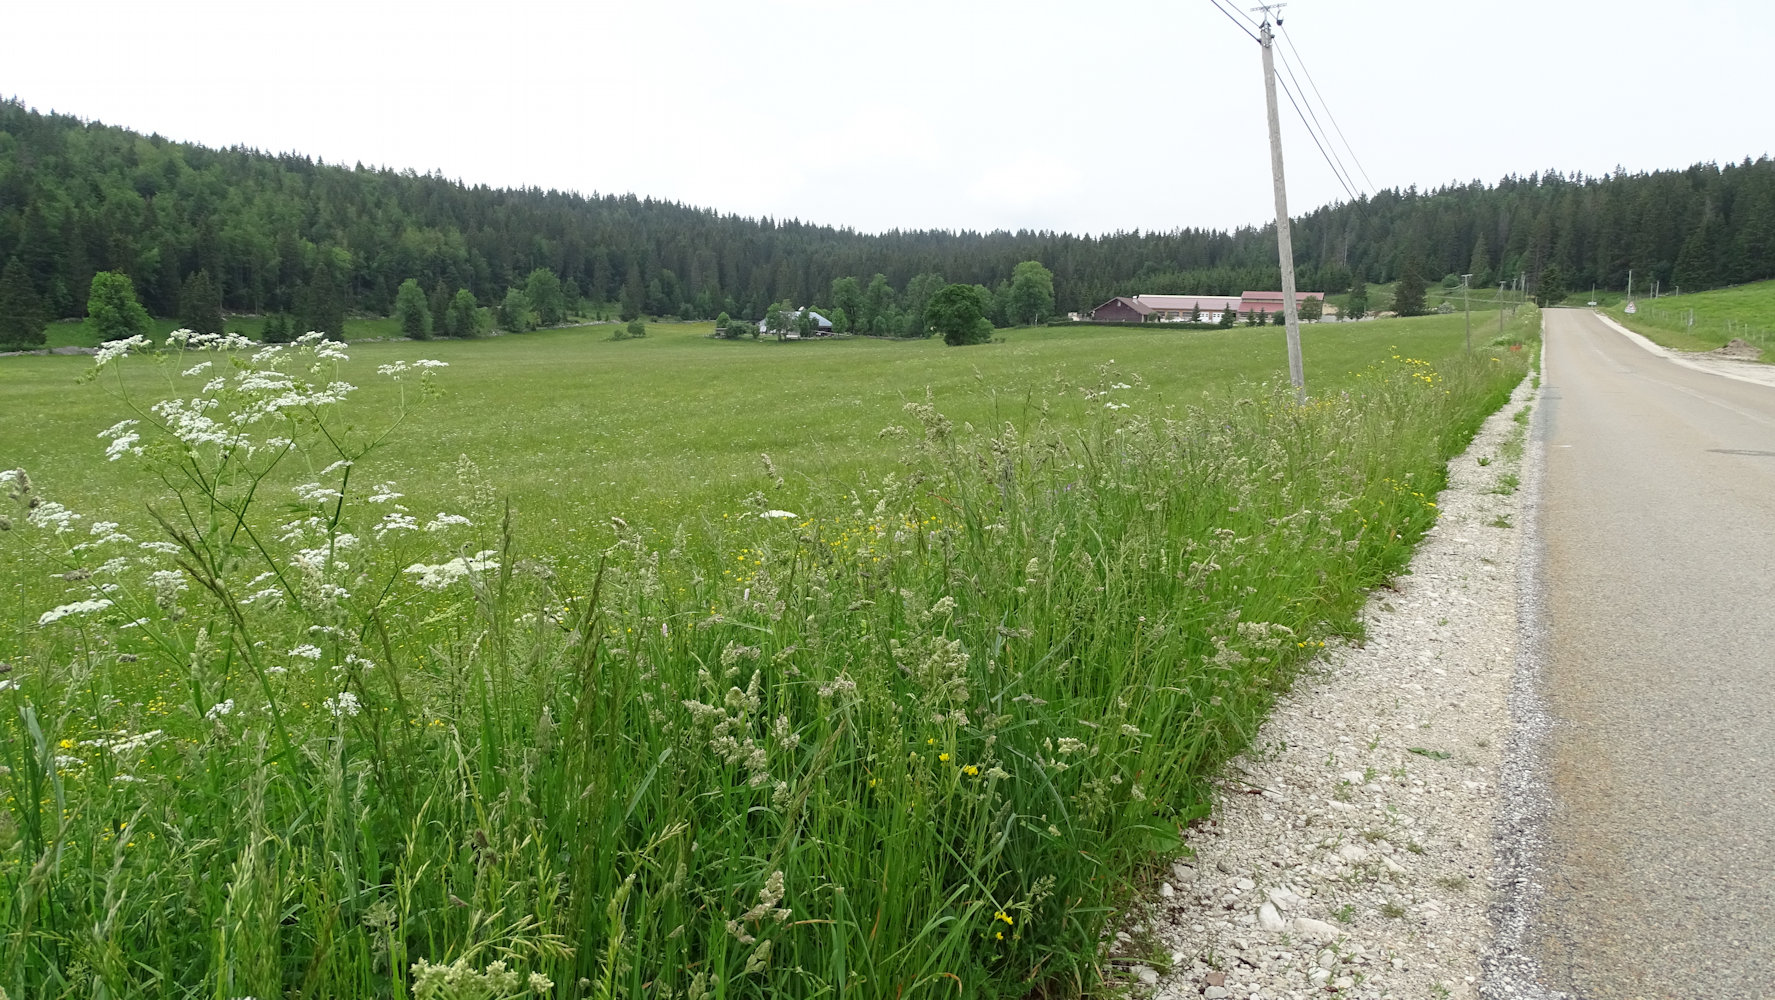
(443, 521)
(306, 652)
(268, 594)
(123, 444)
(344, 463)
(77, 608)
(115, 349)
(164, 548)
(384, 493)
(443, 575)
(117, 428)
(778, 514)
(395, 522)
(344, 704)
(197, 369)
(53, 515)
(220, 709)
(1068, 745)
(315, 493)
(107, 534)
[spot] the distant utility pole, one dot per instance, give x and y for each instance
(1284, 241)
(1500, 308)
(1467, 303)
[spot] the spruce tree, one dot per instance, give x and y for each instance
(21, 311)
(1550, 291)
(1408, 293)
(1357, 307)
(321, 306)
(200, 304)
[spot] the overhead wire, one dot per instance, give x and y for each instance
(1234, 18)
(1315, 137)
(1324, 104)
(1339, 167)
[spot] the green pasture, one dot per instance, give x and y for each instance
(577, 427)
(1702, 321)
(532, 675)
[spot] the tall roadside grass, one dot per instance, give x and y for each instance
(915, 738)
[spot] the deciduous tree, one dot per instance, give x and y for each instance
(542, 289)
(955, 313)
(464, 317)
(877, 300)
(1032, 293)
(412, 310)
(112, 307)
(515, 315)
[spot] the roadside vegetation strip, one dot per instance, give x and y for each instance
(908, 738)
(1744, 312)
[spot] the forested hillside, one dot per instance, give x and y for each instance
(80, 197)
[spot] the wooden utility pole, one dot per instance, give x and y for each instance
(1467, 304)
(1284, 241)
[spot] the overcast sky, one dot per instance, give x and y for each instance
(1081, 116)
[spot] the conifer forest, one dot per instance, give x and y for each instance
(268, 229)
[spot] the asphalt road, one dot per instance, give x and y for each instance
(1658, 518)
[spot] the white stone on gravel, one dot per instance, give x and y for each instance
(1270, 920)
(1379, 777)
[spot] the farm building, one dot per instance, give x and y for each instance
(823, 326)
(1181, 308)
(1271, 302)
(1121, 309)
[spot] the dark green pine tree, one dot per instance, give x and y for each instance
(634, 295)
(1357, 306)
(321, 306)
(1696, 265)
(1550, 290)
(21, 311)
(200, 304)
(1408, 293)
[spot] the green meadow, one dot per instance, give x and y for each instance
(1702, 321)
(672, 667)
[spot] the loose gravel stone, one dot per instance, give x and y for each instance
(1364, 864)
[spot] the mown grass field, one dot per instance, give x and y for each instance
(561, 688)
(1744, 311)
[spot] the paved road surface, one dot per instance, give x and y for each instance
(1659, 522)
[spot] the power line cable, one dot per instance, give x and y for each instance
(1315, 137)
(1340, 166)
(1322, 103)
(1235, 19)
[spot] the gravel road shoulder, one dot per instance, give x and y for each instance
(1356, 847)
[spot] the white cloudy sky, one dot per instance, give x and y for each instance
(1082, 116)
